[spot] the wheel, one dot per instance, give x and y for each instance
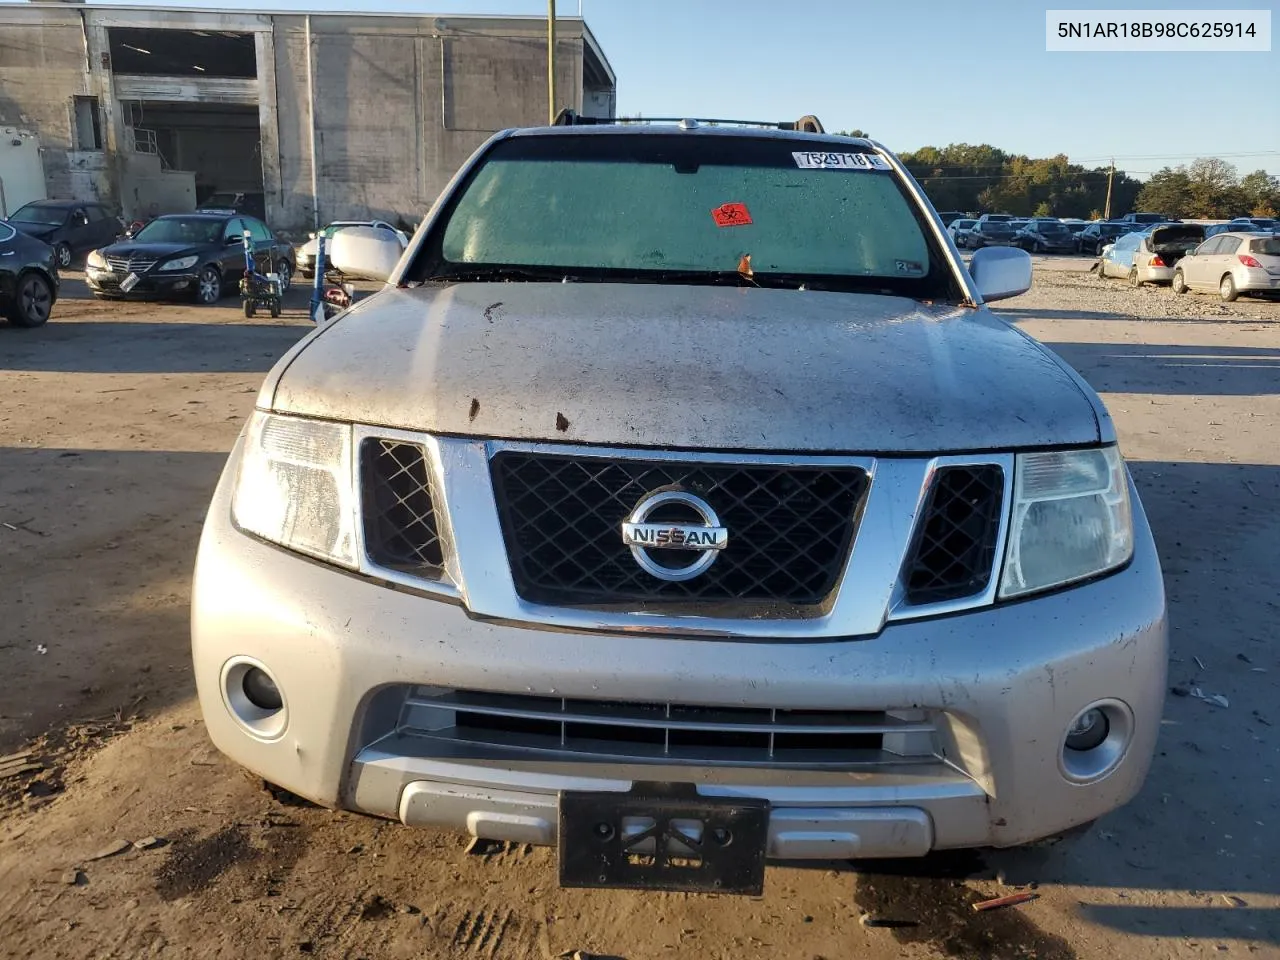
(1179, 282)
(1133, 277)
(63, 253)
(32, 301)
(285, 273)
(275, 309)
(209, 286)
(1227, 288)
(250, 308)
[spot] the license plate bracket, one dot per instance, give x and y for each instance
(663, 836)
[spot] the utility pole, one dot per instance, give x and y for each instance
(1106, 212)
(551, 61)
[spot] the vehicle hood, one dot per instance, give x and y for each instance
(151, 251)
(692, 367)
(40, 231)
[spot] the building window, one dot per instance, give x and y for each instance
(88, 123)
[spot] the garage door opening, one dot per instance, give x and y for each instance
(220, 143)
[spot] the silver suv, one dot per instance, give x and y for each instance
(679, 502)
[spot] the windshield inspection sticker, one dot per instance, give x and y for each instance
(840, 161)
(731, 215)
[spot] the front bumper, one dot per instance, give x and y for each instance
(1002, 684)
(149, 284)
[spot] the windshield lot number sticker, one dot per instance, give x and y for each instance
(731, 215)
(840, 161)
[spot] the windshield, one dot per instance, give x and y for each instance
(964, 224)
(997, 226)
(686, 209)
(189, 230)
(49, 216)
(333, 228)
(1053, 229)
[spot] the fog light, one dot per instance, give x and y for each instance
(263, 693)
(1096, 741)
(254, 698)
(1088, 730)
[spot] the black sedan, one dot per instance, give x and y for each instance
(990, 233)
(28, 277)
(198, 255)
(1098, 234)
(1043, 235)
(72, 228)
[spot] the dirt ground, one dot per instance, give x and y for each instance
(114, 423)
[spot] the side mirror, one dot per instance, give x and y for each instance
(1000, 272)
(364, 252)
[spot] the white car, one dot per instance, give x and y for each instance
(1231, 263)
(307, 252)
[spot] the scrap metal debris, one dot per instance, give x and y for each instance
(120, 846)
(1010, 901)
(1217, 699)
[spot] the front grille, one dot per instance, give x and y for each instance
(790, 528)
(955, 543)
(121, 265)
(401, 530)
(471, 722)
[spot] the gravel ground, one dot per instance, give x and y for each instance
(113, 429)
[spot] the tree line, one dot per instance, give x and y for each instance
(963, 176)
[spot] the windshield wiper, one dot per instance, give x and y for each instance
(486, 274)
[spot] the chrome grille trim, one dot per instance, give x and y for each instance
(123, 265)
(869, 593)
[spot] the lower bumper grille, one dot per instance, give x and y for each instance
(666, 732)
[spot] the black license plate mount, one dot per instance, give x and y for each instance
(663, 836)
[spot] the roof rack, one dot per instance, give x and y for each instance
(806, 124)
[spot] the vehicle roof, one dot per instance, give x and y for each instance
(640, 129)
(201, 215)
(62, 203)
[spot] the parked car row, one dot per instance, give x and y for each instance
(197, 255)
(1243, 257)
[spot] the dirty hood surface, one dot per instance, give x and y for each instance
(685, 367)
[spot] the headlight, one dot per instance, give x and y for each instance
(182, 263)
(95, 260)
(1071, 519)
(295, 486)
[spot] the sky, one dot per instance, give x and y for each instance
(919, 72)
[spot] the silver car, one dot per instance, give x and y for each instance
(1232, 264)
(1149, 255)
(653, 512)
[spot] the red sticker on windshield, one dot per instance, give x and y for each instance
(731, 215)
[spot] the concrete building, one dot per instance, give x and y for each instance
(315, 117)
